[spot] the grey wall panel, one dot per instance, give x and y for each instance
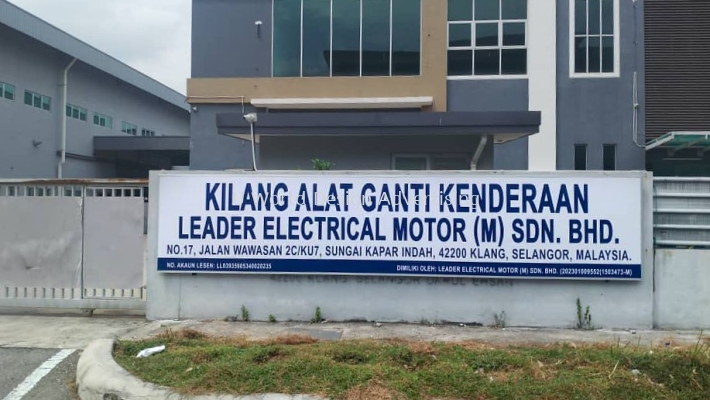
(31, 136)
(677, 66)
(113, 242)
(488, 95)
(82, 168)
(212, 151)
(361, 153)
(40, 242)
(598, 111)
(98, 92)
(495, 95)
(512, 156)
(225, 40)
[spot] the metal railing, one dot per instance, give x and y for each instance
(681, 212)
(74, 188)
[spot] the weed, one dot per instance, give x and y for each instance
(291, 340)
(265, 354)
(349, 357)
(699, 345)
(501, 320)
(584, 319)
(321, 165)
(192, 334)
(245, 314)
(272, 319)
(318, 317)
(169, 335)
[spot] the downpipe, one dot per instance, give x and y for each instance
(63, 146)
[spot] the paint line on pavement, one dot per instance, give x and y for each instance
(23, 388)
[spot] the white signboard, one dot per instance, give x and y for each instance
(453, 225)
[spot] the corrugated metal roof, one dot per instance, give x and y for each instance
(22, 21)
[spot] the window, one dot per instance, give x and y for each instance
(76, 112)
(147, 132)
(129, 128)
(580, 157)
(411, 163)
(346, 38)
(594, 37)
(7, 91)
(422, 162)
(487, 38)
(609, 157)
(38, 101)
(103, 120)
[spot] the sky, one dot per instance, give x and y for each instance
(152, 36)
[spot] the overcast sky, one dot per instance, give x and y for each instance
(152, 36)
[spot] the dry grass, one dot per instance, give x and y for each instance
(374, 389)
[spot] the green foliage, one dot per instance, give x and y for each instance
(584, 319)
(321, 165)
(318, 317)
(245, 314)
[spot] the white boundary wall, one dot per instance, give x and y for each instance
(682, 298)
(535, 303)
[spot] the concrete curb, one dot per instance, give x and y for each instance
(99, 377)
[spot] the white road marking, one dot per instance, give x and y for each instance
(23, 388)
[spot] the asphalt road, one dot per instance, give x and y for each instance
(37, 374)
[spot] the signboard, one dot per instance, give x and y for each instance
(448, 224)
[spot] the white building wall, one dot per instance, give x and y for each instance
(542, 72)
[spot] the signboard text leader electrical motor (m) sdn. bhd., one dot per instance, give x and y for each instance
(455, 225)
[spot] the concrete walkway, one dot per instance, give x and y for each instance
(73, 332)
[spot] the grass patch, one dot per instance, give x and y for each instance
(395, 369)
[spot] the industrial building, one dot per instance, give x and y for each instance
(419, 84)
(69, 110)
(372, 84)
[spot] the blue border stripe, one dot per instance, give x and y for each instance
(403, 268)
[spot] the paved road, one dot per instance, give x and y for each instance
(39, 353)
(37, 374)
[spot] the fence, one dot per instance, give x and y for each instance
(80, 244)
(72, 244)
(681, 212)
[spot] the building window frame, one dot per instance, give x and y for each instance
(585, 149)
(429, 159)
(361, 75)
(398, 156)
(4, 91)
(616, 73)
(37, 100)
(77, 112)
(103, 121)
(147, 132)
(473, 47)
(129, 128)
(606, 148)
